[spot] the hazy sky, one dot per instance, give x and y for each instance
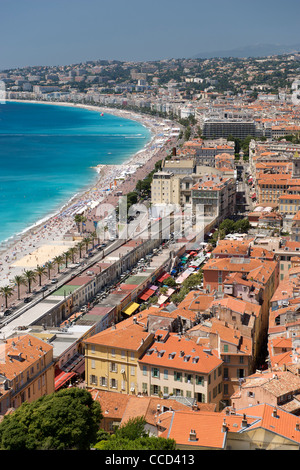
(57, 32)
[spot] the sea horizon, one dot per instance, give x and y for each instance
(49, 156)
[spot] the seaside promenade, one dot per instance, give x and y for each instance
(24, 252)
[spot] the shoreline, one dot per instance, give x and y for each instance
(52, 228)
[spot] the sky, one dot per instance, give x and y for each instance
(63, 32)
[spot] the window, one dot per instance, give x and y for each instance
(166, 374)
(199, 380)
(113, 367)
(113, 383)
(93, 364)
(144, 370)
(177, 376)
(155, 372)
(93, 379)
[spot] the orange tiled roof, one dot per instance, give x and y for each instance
(18, 353)
(187, 355)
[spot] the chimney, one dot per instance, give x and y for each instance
(224, 427)
(193, 435)
(274, 414)
(297, 427)
(244, 421)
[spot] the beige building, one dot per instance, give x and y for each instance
(26, 371)
(177, 366)
(165, 188)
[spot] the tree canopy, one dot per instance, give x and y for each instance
(133, 436)
(65, 420)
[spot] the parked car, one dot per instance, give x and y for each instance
(53, 281)
(7, 312)
(27, 299)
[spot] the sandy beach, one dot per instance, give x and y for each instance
(41, 243)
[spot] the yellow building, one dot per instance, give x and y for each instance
(111, 357)
(26, 371)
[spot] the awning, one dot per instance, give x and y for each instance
(132, 307)
(62, 377)
(253, 196)
(163, 277)
(147, 294)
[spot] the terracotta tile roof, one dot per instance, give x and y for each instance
(238, 305)
(18, 353)
(208, 428)
(284, 424)
(179, 352)
(125, 334)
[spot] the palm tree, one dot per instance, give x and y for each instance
(6, 291)
(49, 265)
(94, 237)
(79, 219)
(67, 255)
(58, 260)
(86, 241)
(80, 246)
(73, 250)
(40, 270)
(19, 281)
(30, 276)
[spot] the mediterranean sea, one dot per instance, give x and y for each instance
(46, 155)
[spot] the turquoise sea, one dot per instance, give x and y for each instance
(46, 155)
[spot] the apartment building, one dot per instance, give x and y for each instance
(234, 349)
(238, 128)
(205, 152)
(217, 194)
(111, 357)
(175, 365)
(165, 188)
(276, 387)
(26, 371)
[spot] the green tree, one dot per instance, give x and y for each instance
(40, 270)
(67, 255)
(30, 277)
(80, 246)
(19, 281)
(73, 250)
(6, 292)
(65, 420)
(49, 265)
(58, 261)
(170, 282)
(86, 241)
(133, 436)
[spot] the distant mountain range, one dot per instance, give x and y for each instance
(259, 50)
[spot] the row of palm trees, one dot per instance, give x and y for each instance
(30, 276)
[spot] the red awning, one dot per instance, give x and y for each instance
(147, 294)
(163, 277)
(62, 377)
